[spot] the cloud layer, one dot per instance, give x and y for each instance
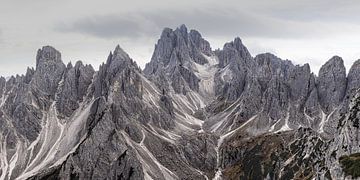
(303, 31)
(213, 22)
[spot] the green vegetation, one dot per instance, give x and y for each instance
(351, 165)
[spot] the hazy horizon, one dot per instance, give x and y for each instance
(303, 32)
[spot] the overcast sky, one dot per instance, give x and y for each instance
(302, 31)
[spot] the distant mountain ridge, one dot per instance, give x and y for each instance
(192, 113)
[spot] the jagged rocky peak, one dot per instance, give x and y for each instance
(2, 81)
(200, 43)
(236, 64)
(238, 45)
(79, 65)
(176, 55)
(119, 59)
(268, 65)
(178, 47)
(183, 30)
(47, 54)
(270, 59)
(49, 72)
(331, 83)
(233, 52)
(2, 86)
(353, 79)
(77, 80)
(119, 70)
(29, 74)
(238, 111)
(300, 80)
(119, 53)
(49, 59)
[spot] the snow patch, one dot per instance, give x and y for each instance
(57, 140)
(151, 92)
(223, 117)
(272, 128)
(218, 175)
(206, 74)
(181, 103)
(142, 150)
(324, 118)
(310, 119)
(285, 127)
(14, 160)
(5, 95)
(3, 158)
(226, 74)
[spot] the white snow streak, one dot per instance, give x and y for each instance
(218, 173)
(3, 158)
(226, 74)
(285, 127)
(57, 140)
(142, 150)
(324, 118)
(13, 160)
(206, 75)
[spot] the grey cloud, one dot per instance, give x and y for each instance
(104, 26)
(210, 21)
(1, 36)
(319, 10)
(288, 27)
(238, 22)
(226, 22)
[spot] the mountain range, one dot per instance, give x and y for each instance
(191, 113)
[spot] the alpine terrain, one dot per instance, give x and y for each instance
(191, 113)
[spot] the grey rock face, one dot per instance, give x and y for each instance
(239, 61)
(17, 105)
(273, 90)
(285, 155)
(193, 113)
(50, 65)
(74, 87)
(273, 75)
(269, 66)
(332, 83)
(233, 52)
(2, 86)
(182, 78)
(103, 154)
(27, 121)
(353, 80)
(345, 140)
(199, 150)
(171, 61)
(49, 72)
(118, 64)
